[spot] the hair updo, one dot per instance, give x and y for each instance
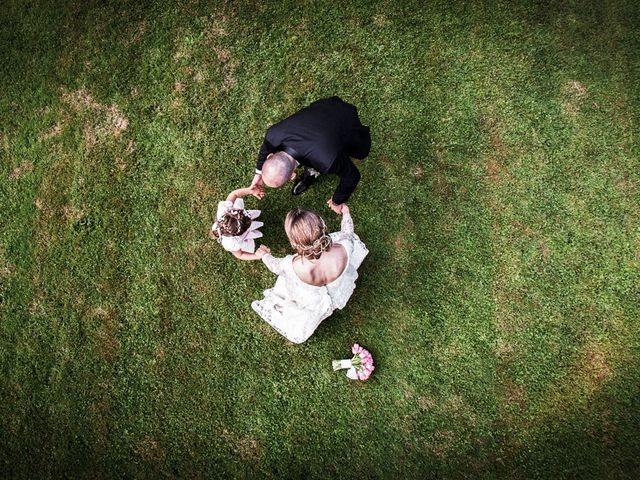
(307, 233)
(234, 222)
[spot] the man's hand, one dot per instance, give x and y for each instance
(256, 191)
(334, 207)
(262, 251)
(257, 186)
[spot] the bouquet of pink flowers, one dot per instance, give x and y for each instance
(360, 366)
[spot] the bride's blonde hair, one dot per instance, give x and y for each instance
(307, 233)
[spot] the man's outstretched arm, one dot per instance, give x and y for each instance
(349, 178)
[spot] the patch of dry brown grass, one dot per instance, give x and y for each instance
(594, 366)
(178, 87)
(504, 298)
(106, 343)
(137, 32)
(380, 20)
(51, 132)
(73, 213)
(494, 162)
(426, 403)
(496, 159)
(441, 187)
(21, 170)
(7, 268)
(442, 443)
(100, 121)
(230, 79)
(626, 186)
(574, 87)
(515, 395)
(245, 446)
(573, 94)
(150, 450)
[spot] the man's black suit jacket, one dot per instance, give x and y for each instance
(322, 136)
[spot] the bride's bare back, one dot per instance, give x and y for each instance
(324, 270)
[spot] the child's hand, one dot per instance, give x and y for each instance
(334, 207)
(262, 251)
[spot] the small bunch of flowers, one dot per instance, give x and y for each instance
(360, 367)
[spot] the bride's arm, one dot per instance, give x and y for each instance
(346, 226)
(274, 264)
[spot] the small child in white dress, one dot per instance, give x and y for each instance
(314, 282)
(235, 228)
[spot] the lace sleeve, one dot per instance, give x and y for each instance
(346, 226)
(274, 264)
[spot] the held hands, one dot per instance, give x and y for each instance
(261, 251)
(257, 187)
(337, 208)
(257, 191)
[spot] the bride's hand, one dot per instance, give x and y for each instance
(334, 207)
(262, 251)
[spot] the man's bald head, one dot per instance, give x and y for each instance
(278, 169)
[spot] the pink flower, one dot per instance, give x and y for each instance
(366, 358)
(361, 363)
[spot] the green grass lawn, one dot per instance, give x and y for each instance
(500, 204)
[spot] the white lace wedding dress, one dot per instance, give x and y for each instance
(294, 308)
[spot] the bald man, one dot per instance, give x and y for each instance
(321, 138)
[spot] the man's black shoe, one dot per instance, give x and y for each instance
(305, 182)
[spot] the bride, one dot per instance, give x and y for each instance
(316, 280)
